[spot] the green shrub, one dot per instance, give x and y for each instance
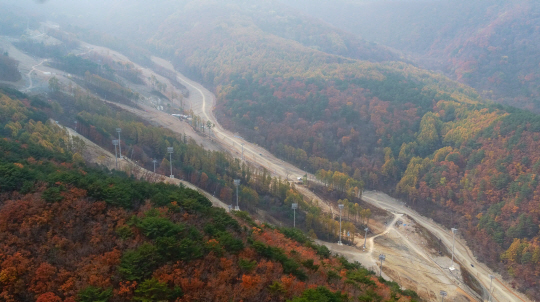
(321, 294)
(168, 248)
(194, 234)
(289, 265)
(140, 263)
(154, 227)
(295, 234)
(230, 243)
(247, 265)
(245, 216)
(348, 265)
(27, 187)
(333, 276)
(361, 276)
(189, 250)
(222, 221)
(277, 288)
(411, 293)
(124, 232)
(94, 294)
(52, 194)
(152, 290)
(321, 250)
(310, 265)
(369, 296)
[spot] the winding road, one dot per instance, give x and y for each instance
(203, 102)
(203, 105)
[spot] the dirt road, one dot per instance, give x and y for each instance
(203, 101)
(170, 122)
(408, 261)
(29, 75)
(501, 291)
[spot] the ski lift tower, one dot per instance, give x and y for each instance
(294, 207)
(115, 143)
(170, 150)
(236, 184)
(340, 206)
(119, 130)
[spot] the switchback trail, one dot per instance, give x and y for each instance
(502, 292)
(29, 75)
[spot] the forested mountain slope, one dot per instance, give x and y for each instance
(269, 17)
(465, 162)
(460, 160)
(137, 21)
(70, 232)
(489, 45)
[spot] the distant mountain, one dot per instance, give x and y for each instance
(139, 20)
(491, 45)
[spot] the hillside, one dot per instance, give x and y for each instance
(71, 232)
(386, 126)
(356, 124)
(489, 45)
(136, 22)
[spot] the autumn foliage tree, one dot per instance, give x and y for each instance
(71, 232)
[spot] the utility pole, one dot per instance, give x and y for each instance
(170, 150)
(454, 230)
(490, 285)
(236, 184)
(242, 151)
(382, 257)
(365, 237)
(115, 143)
(294, 207)
(119, 141)
(341, 206)
(154, 161)
(443, 294)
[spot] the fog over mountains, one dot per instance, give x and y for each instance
(432, 102)
(491, 45)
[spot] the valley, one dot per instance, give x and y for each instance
(415, 157)
(379, 200)
(422, 271)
